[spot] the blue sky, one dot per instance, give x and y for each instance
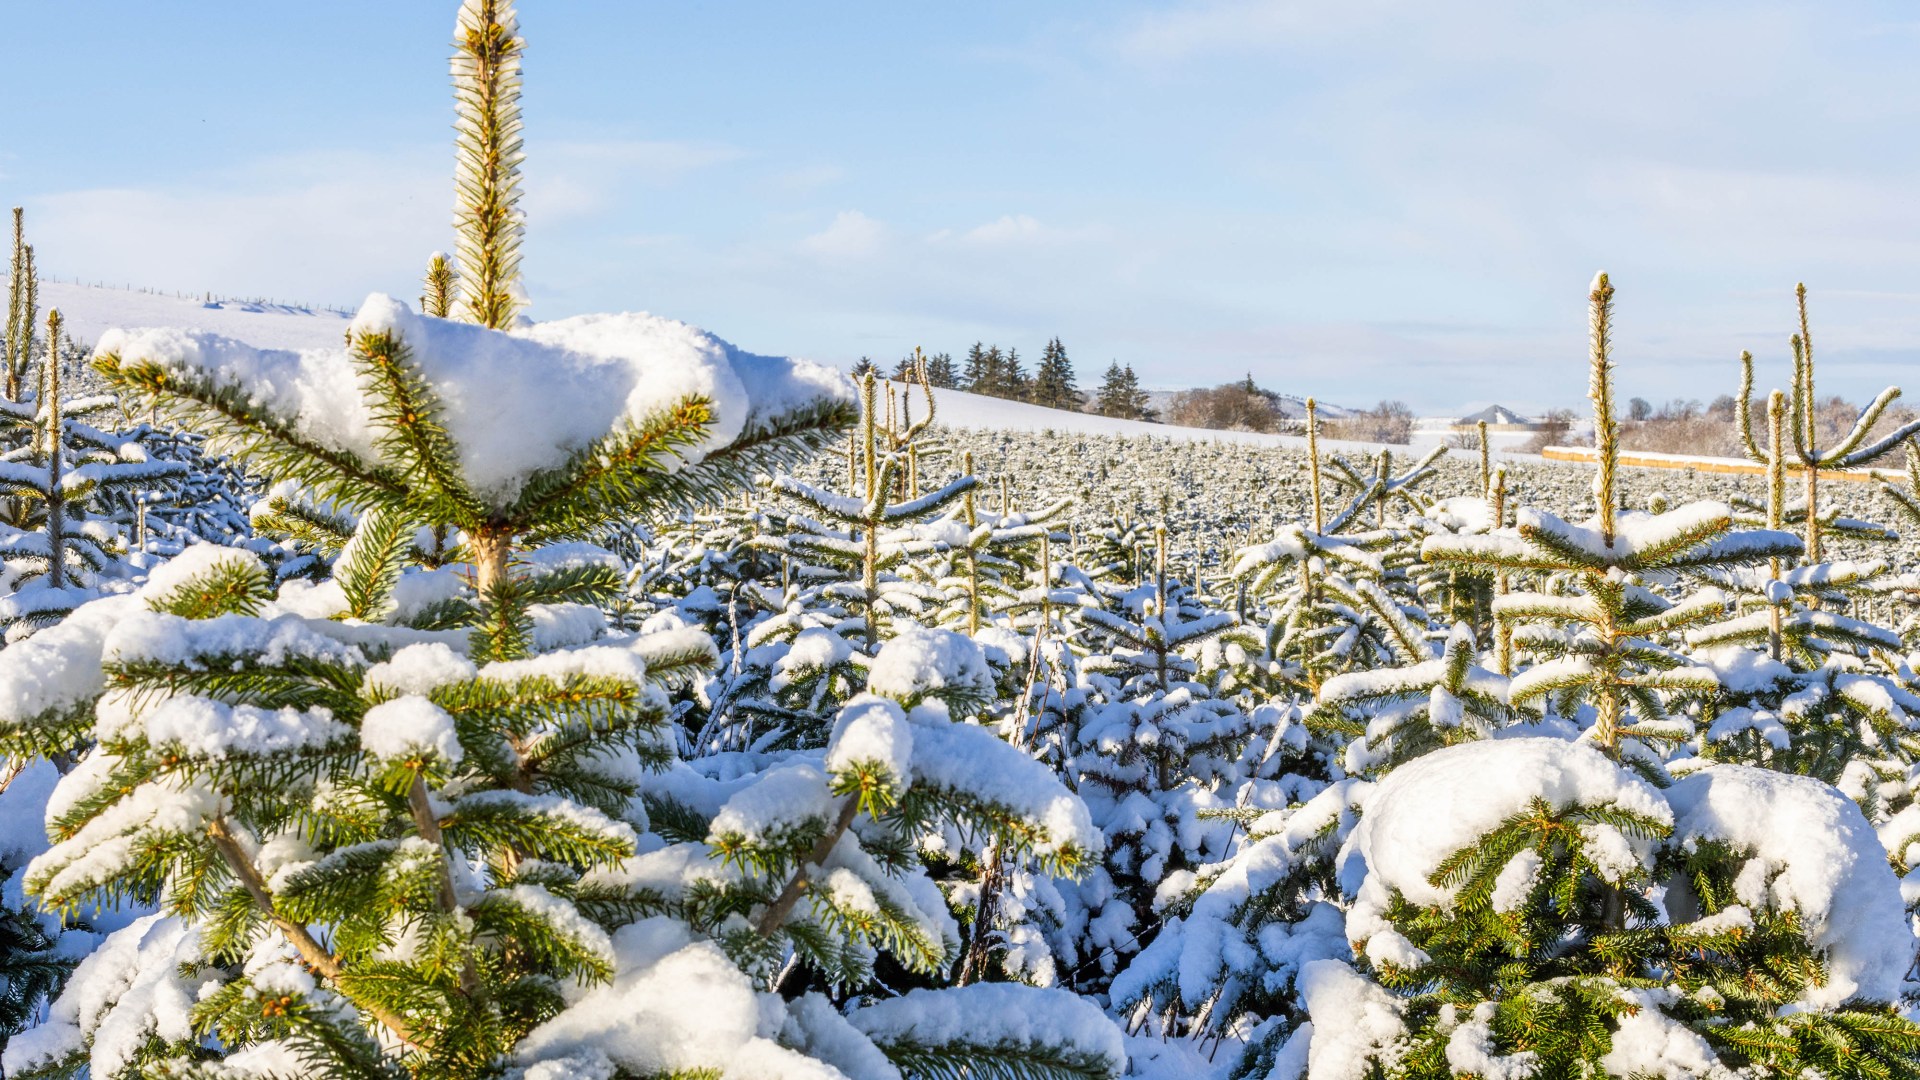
(1360, 200)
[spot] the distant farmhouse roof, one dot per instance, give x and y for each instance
(1498, 418)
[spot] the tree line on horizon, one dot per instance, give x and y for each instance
(1712, 429)
(1242, 405)
(996, 372)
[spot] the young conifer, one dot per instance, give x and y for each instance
(1612, 662)
(1583, 913)
(63, 485)
(868, 535)
(487, 216)
(1810, 457)
(439, 285)
(22, 290)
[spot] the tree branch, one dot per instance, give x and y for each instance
(782, 906)
(311, 951)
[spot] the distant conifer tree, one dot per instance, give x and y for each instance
(978, 375)
(1139, 402)
(942, 372)
(1116, 395)
(1121, 396)
(1053, 383)
(1014, 381)
(866, 366)
(993, 373)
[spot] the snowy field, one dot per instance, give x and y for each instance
(1213, 489)
(429, 693)
(92, 310)
(1199, 785)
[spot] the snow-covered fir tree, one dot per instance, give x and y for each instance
(1540, 907)
(591, 698)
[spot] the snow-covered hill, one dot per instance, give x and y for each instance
(957, 408)
(1291, 407)
(91, 310)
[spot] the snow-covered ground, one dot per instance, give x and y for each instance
(1202, 934)
(1429, 430)
(90, 311)
(957, 408)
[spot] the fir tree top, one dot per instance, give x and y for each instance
(487, 216)
(453, 424)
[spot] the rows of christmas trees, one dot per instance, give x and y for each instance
(546, 719)
(410, 798)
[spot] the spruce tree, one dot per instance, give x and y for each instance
(1053, 382)
(1121, 395)
(977, 376)
(993, 380)
(1612, 664)
(864, 367)
(65, 483)
(1118, 393)
(1830, 697)
(1573, 917)
(1139, 403)
(941, 371)
(1015, 384)
(868, 536)
(1808, 455)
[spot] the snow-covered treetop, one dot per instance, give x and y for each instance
(1430, 808)
(515, 403)
(1813, 853)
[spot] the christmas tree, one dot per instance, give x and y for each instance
(397, 823)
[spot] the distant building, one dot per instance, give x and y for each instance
(1498, 418)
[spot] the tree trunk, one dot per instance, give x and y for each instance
(973, 968)
(56, 504)
(492, 553)
(1813, 514)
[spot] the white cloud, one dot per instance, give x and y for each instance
(852, 236)
(583, 179)
(319, 228)
(1017, 230)
(1360, 199)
